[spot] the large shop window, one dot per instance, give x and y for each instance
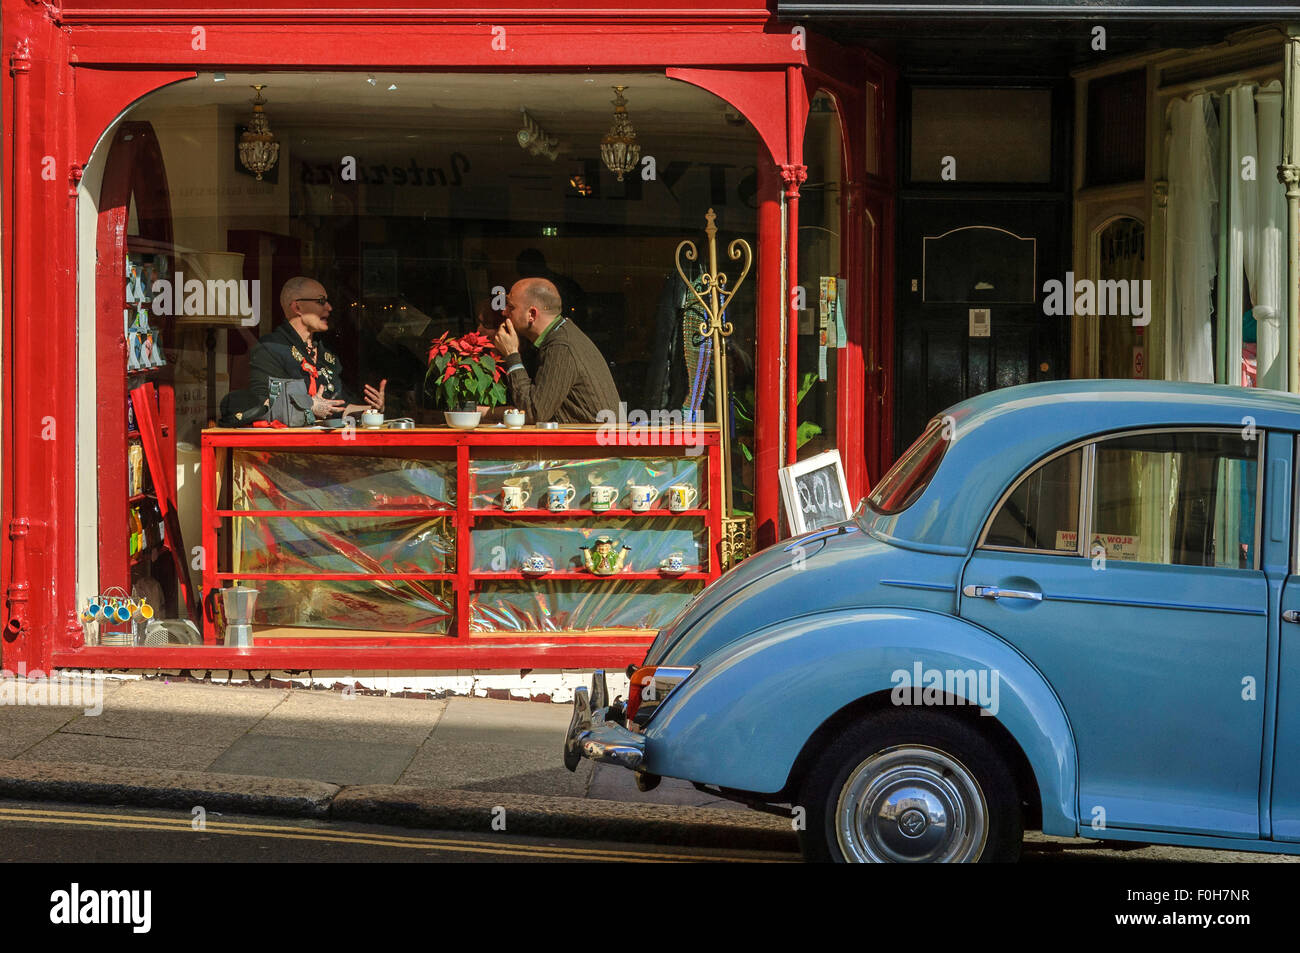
(416, 200)
(1226, 229)
(822, 322)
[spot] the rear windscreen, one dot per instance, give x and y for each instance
(911, 474)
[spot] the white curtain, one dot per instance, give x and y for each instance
(1267, 269)
(1243, 222)
(1191, 236)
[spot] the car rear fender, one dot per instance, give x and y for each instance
(742, 719)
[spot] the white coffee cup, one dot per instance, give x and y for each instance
(560, 495)
(676, 562)
(641, 497)
(513, 498)
(681, 496)
(603, 496)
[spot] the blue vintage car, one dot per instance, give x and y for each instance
(1070, 606)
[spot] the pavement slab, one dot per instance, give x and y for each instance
(335, 761)
(455, 764)
(195, 714)
(339, 716)
(123, 752)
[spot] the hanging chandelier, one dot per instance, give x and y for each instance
(258, 150)
(619, 149)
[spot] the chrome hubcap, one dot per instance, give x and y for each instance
(911, 804)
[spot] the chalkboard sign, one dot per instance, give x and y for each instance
(815, 493)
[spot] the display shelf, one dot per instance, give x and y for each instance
(467, 617)
(584, 576)
(537, 514)
(405, 512)
(343, 576)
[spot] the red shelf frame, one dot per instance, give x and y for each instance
(459, 648)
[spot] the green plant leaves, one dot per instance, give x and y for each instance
(807, 430)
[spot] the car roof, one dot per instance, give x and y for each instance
(1000, 434)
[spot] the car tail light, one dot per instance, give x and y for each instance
(649, 686)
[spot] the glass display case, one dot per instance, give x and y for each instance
(430, 539)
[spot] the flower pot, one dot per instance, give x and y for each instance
(461, 420)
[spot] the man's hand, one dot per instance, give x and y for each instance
(326, 408)
(506, 341)
(375, 398)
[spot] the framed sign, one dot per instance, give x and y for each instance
(815, 493)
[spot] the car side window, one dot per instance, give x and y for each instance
(1042, 511)
(1185, 498)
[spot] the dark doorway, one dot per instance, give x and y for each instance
(977, 255)
(984, 221)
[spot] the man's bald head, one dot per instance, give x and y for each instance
(297, 287)
(300, 300)
(541, 294)
(531, 306)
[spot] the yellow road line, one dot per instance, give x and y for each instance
(288, 832)
(463, 848)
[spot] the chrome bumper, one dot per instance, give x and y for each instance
(595, 735)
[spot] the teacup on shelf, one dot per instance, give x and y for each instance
(536, 565)
(674, 565)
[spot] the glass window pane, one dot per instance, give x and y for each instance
(1184, 499)
(1042, 512)
(909, 477)
(1121, 254)
(991, 135)
(823, 321)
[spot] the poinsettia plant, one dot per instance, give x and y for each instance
(464, 372)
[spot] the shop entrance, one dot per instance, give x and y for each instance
(970, 316)
(984, 222)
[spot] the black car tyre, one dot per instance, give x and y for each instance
(910, 787)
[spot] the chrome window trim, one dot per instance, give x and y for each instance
(1087, 490)
(1087, 478)
(1261, 459)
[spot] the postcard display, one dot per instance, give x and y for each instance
(147, 406)
(430, 536)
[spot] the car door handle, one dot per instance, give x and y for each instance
(994, 592)
(1291, 615)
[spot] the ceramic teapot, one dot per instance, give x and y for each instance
(602, 558)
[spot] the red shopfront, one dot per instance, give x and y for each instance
(80, 87)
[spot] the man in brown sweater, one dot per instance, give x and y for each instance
(573, 382)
